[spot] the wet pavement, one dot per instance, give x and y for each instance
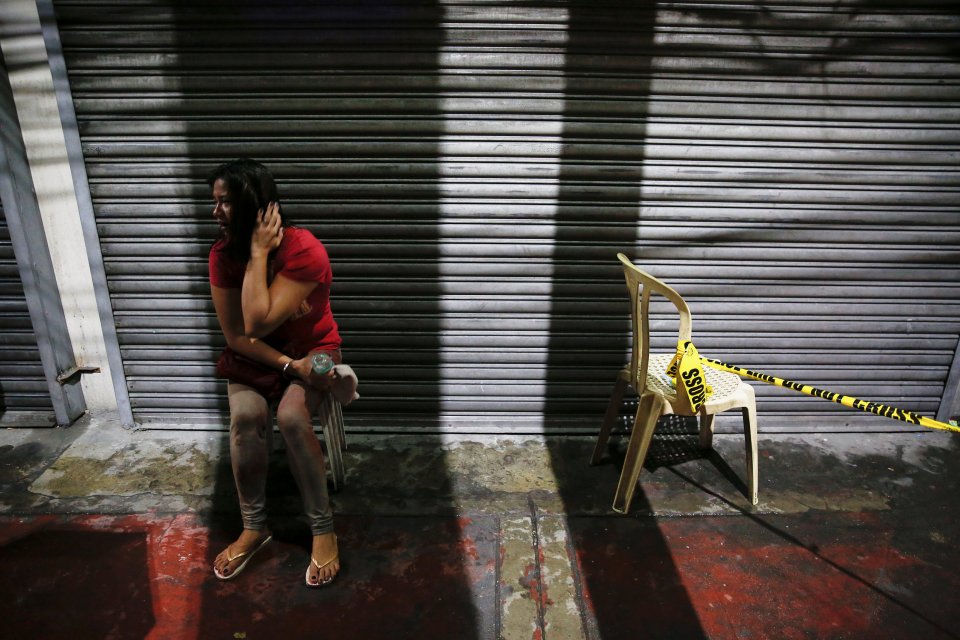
(109, 533)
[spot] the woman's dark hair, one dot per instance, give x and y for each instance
(251, 187)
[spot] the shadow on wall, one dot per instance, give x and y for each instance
(320, 77)
(600, 197)
(588, 317)
(589, 300)
(764, 21)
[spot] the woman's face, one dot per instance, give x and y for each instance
(222, 205)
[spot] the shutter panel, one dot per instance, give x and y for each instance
(473, 169)
(24, 396)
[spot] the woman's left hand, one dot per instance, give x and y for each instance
(269, 230)
(304, 370)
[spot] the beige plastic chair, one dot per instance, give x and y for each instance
(645, 375)
(330, 416)
(343, 391)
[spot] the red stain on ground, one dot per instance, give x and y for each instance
(468, 547)
(536, 589)
(477, 566)
(818, 576)
(174, 551)
(587, 599)
(732, 579)
(178, 568)
(154, 575)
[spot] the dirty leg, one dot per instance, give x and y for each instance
(250, 428)
(295, 421)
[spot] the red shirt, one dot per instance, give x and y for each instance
(301, 257)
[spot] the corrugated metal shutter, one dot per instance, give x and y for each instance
(474, 168)
(24, 396)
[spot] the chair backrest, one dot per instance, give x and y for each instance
(641, 285)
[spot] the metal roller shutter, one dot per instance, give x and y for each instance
(474, 168)
(24, 396)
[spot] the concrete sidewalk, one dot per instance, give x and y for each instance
(108, 533)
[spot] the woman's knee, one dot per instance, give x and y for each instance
(248, 421)
(294, 424)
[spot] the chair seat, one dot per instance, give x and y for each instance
(727, 387)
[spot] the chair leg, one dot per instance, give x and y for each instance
(336, 458)
(338, 417)
(332, 429)
(750, 437)
(706, 431)
(643, 427)
(613, 410)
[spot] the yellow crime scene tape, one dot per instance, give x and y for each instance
(686, 365)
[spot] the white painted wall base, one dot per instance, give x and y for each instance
(21, 41)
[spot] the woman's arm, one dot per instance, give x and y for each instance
(227, 304)
(267, 307)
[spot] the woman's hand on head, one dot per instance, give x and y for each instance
(269, 231)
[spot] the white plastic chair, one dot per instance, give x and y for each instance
(330, 416)
(644, 374)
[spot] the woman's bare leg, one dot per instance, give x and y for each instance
(295, 421)
(250, 427)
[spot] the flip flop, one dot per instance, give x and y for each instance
(321, 583)
(248, 555)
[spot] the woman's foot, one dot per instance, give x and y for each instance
(235, 557)
(324, 560)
